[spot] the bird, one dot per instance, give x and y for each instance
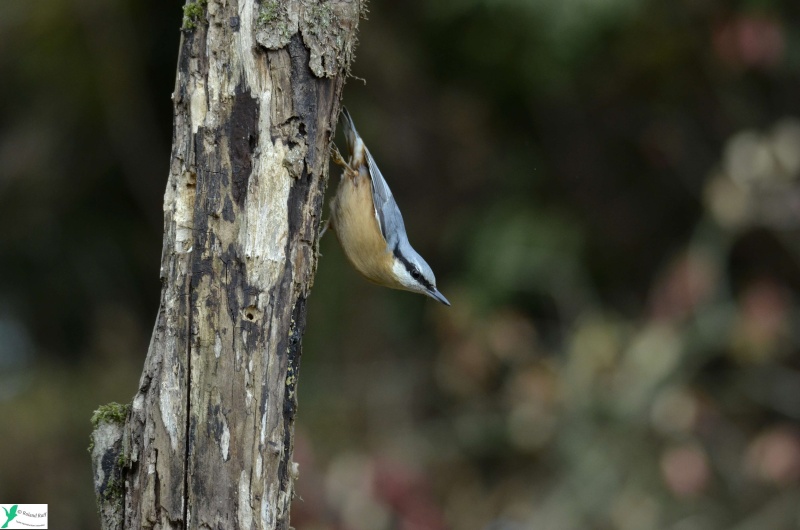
(369, 225)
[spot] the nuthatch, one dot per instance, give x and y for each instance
(369, 226)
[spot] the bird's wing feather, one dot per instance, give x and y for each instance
(386, 209)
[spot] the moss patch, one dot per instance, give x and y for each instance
(192, 13)
(113, 412)
(269, 12)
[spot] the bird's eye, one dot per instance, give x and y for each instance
(415, 274)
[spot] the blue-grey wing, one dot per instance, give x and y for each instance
(386, 210)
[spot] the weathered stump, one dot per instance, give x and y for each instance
(209, 437)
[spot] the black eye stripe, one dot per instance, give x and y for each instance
(412, 270)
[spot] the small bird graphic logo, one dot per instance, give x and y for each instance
(10, 515)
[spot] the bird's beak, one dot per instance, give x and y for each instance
(436, 295)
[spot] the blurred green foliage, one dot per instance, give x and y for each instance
(607, 191)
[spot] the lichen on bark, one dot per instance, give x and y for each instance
(326, 29)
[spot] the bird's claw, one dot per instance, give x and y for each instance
(337, 157)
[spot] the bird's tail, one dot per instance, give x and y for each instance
(349, 128)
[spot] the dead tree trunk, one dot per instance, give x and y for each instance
(208, 439)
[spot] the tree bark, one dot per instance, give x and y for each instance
(208, 440)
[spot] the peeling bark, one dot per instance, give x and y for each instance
(209, 439)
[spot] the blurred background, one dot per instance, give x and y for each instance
(608, 191)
